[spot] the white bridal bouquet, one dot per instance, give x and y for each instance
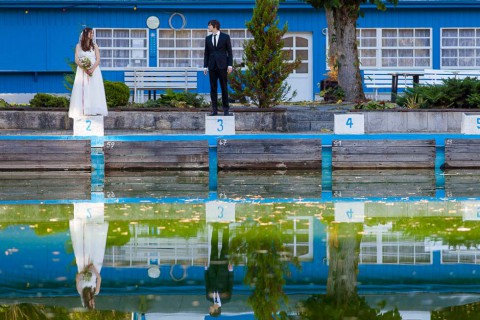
(86, 64)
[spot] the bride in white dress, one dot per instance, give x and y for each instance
(88, 92)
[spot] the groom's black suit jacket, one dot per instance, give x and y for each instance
(221, 56)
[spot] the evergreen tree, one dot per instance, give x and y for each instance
(266, 64)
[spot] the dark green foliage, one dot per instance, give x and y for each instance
(116, 93)
(262, 244)
(266, 64)
(3, 103)
(453, 93)
(466, 311)
(374, 105)
(325, 307)
(179, 99)
(69, 78)
(44, 100)
(381, 4)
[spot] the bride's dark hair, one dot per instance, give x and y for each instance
(85, 42)
(88, 294)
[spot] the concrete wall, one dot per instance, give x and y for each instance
(281, 119)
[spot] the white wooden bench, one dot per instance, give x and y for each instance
(140, 80)
(383, 79)
(436, 76)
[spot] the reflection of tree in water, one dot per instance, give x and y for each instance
(341, 300)
(466, 311)
(262, 244)
(27, 311)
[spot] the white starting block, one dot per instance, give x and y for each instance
(350, 212)
(89, 211)
(471, 210)
(470, 123)
(349, 123)
(88, 126)
(220, 211)
(220, 125)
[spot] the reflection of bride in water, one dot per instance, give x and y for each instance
(88, 231)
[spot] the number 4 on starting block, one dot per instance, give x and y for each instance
(350, 123)
(88, 126)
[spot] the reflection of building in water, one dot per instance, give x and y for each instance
(147, 247)
(381, 246)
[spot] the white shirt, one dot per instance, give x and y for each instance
(213, 38)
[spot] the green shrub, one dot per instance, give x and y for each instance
(179, 99)
(3, 103)
(452, 93)
(375, 105)
(116, 93)
(44, 100)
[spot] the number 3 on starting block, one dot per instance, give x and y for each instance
(350, 123)
(220, 125)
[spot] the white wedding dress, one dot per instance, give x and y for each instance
(88, 231)
(88, 92)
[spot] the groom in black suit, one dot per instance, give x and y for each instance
(218, 60)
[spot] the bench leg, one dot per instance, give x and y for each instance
(393, 96)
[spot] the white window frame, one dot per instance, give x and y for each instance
(140, 62)
(379, 47)
(196, 38)
(458, 47)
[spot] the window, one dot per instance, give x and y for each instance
(185, 48)
(460, 48)
(122, 48)
(394, 48)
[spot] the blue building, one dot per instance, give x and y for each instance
(40, 36)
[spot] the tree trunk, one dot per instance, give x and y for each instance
(342, 21)
(343, 245)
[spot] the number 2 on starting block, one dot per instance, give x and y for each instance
(88, 126)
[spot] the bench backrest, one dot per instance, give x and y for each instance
(269, 154)
(45, 155)
(161, 78)
(174, 155)
(382, 78)
(436, 76)
(406, 154)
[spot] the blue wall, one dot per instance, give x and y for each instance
(43, 40)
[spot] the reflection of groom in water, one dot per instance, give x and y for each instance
(219, 275)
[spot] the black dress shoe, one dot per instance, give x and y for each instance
(213, 114)
(227, 114)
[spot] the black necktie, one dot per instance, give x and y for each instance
(215, 40)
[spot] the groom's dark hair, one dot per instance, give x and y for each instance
(215, 24)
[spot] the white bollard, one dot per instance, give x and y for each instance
(220, 211)
(88, 126)
(470, 123)
(349, 123)
(220, 125)
(350, 212)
